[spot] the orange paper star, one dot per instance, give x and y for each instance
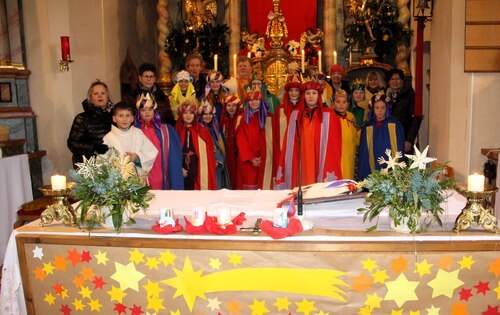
(60, 263)
(74, 257)
(361, 283)
(445, 262)
(400, 264)
(495, 267)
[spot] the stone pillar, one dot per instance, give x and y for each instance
(330, 30)
(165, 65)
(234, 37)
(4, 36)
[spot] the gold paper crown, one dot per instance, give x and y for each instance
(357, 84)
(340, 93)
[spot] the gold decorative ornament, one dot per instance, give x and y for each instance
(199, 13)
(475, 213)
(61, 210)
(276, 28)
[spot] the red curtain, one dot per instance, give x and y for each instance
(299, 16)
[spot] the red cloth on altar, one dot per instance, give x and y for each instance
(252, 142)
(204, 147)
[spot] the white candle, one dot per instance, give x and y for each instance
(475, 182)
(303, 60)
(58, 182)
(280, 218)
(198, 216)
(216, 62)
(223, 216)
(319, 61)
(249, 55)
(334, 57)
(234, 65)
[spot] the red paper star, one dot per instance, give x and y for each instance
(136, 310)
(482, 287)
(491, 311)
(58, 288)
(65, 309)
(98, 282)
(465, 294)
(86, 256)
(120, 308)
(74, 257)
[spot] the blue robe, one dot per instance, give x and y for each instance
(172, 165)
(375, 140)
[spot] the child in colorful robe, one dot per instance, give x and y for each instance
(166, 172)
(350, 134)
(254, 138)
(198, 160)
(357, 98)
(215, 92)
(182, 91)
(230, 119)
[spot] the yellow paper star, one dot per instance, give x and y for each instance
(397, 312)
(78, 305)
(64, 294)
(152, 263)
(116, 294)
(49, 298)
(445, 283)
(497, 290)
(401, 290)
(155, 303)
(136, 256)
(415, 313)
(433, 310)
(322, 313)
(373, 300)
(380, 276)
(213, 304)
(365, 310)
(95, 305)
(235, 259)
(466, 262)
(258, 307)
(305, 306)
(48, 268)
(153, 289)
(127, 276)
(167, 258)
(175, 313)
(282, 303)
(215, 263)
(101, 257)
(85, 292)
(423, 268)
(369, 265)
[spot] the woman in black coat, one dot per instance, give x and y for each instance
(89, 127)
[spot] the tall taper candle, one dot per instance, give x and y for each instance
(303, 60)
(235, 66)
(216, 62)
(319, 62)
(334, 57)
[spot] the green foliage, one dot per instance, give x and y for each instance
(406, 192)
(111, 181)
(207, 41)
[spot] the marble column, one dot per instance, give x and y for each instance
(330, 30)
(165, 65)
(235, 29)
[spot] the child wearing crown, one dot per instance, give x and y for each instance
(166, 172)
(215, 92)
(182, 91)
(357, 98)
(254, 141)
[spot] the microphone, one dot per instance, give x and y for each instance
(299, 192)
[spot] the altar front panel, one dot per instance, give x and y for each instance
(76, 274)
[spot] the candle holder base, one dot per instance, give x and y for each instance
(61, 210)
(475, 213)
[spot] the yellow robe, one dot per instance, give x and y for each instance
(350, 142)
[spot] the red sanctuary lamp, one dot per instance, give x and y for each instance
(65, 54)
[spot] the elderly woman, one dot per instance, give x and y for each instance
(90, 126)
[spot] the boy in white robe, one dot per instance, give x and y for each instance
(129, 140)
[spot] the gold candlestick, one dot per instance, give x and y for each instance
(475, 213)
(61, 210)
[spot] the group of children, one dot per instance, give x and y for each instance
(224, 142)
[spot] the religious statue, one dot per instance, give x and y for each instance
(199, 13)
(361, 15)
(310, 42)
(253, 43)
(276, 27)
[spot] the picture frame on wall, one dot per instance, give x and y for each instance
(5, 92)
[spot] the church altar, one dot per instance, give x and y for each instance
(334, 268)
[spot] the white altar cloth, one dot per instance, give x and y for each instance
(338, 215)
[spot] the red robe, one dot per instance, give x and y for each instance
(203, 145)
(252, 142)
(229, 126)
(280, 123)
(321, 142)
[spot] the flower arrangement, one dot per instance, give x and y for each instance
(406, 191)
(109, 181)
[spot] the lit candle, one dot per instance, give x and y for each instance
(65, 52)
(319, 61)
(334, 57)
(249, 55)
(234, 65)
(216, 62)
(475, 182)
(58, 182)
(303, 60)
(223, 216)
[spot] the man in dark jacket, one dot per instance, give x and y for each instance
(402, 106)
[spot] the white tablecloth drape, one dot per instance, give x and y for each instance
(15, 189)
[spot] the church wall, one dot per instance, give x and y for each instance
(100, 32)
